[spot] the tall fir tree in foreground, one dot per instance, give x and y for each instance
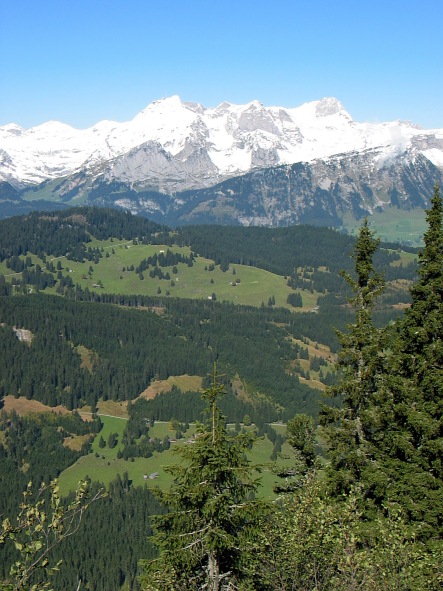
(386, 438)
(379, 529)
(349, 425)
(413, 420)
(210, 519)
(422, 328)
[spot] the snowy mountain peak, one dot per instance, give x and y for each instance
(13, 129)
(223, 107)
(329, 106)
(168, 101)
(197, 107)
(175, 145)
(255, 106)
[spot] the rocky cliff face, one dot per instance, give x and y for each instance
(319, 192)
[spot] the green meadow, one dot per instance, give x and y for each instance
(240, 284)
(248, 286)
(102, 465)
(394, 225)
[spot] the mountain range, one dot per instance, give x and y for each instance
(180, 162)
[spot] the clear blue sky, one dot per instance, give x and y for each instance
(81, 61)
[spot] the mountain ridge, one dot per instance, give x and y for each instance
(322, 192)
(174, 161)
(224, 141)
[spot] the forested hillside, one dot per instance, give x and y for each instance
(280, 250)
(80, 351)
(371, 518)
(128, 348)
(71, 336)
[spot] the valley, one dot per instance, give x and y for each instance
(110, 326)
(243, 273)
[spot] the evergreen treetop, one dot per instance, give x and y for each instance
(413, 425)
(210, 517)
(349, 423)
(423, 322)
(385, 435)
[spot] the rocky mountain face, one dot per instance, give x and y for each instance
(247, 164)
(321, 192)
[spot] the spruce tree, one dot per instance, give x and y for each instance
(385, 436)
(422, 329)
(412, 444)
(348, 420)
(210, 517)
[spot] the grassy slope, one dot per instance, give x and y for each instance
(255, 286)
(106, 466)
(394, 225)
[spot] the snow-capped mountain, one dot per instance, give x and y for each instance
(173, 145)
(181, 162)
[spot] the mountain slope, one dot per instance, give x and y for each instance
(322, 192)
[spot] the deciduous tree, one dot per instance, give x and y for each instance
(40, 526)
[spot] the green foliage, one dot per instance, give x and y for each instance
(112, 440)
(311, 542)
(210, 518)
(40, 526)
(123, 359)
(410, 434)
(423, 322)
(300, 433)
(130, 347)
(306, 255)
(67, 232)
(113, 536)
(26, 443)
(295, 300)
(247, 420)
(350, 423)
(381, 528)
(385, 437)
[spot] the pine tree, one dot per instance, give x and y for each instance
(386, 438)
(349, 424)
(202, 537)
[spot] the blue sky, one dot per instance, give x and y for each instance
(81, 61)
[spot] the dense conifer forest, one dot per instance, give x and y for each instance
(366, 514)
